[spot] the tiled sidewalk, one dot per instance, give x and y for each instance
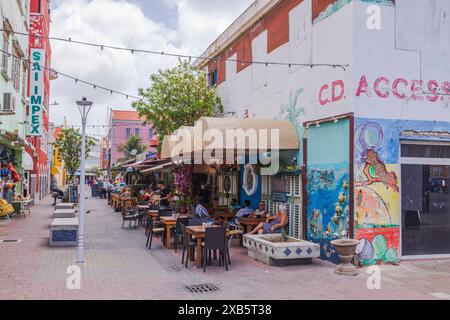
(119, 267)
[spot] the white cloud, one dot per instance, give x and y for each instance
(121, 23)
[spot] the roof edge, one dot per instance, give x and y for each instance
(256, 11)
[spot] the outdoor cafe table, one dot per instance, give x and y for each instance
(227, 215)
(169, 222)
(251, 223)
(199, 232)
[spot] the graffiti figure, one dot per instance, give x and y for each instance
(375, 171)
(315, 223)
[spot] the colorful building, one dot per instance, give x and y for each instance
(367, 84)
(39, 94)
(57, 170)
(122, 125)
(13, 84)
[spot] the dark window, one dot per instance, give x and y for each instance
(425, 151)
(150, 133)
(128, 132)
(425, 209)
(137, 131)
(213, 78)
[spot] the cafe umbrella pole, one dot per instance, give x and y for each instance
(84, 107)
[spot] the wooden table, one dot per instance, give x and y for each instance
(250, 223)
(198, 232)
(225, 214)
(23, 205)
(169, 222)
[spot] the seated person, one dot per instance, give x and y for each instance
(273, 224)
(201, 211)
(234, 205)
(245, 212)
(148, 195)
(261, 211)
(126, 194)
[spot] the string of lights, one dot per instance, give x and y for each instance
(77, 80)
(187, 56)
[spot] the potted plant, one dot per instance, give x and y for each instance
(344, 246)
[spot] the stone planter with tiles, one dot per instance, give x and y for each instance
(268, 249)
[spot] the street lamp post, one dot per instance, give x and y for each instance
(84, 107)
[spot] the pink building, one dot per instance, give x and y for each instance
(124, 124)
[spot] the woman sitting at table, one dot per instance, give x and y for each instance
(273, 224)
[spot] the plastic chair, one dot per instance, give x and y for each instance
(150, 229)
(234, 231)
(130, 214)
(215, 239)
(188, 245)
(178, 232)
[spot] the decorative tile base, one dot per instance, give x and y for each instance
(295, 251)
(64, 232)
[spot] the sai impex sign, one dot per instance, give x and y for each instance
(36, 92)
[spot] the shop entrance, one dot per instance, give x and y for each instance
(425, 199)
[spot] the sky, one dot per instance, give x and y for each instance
(178, 26)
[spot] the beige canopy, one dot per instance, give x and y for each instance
(247, 134)
(251, 135)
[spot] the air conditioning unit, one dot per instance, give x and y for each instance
(8, 102)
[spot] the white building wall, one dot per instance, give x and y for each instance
(11, 10)
(266, 90)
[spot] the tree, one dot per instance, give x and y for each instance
(68, 144)
(133, 143)
(177, 97)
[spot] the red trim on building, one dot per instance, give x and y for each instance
(319, 6)
(276, 22)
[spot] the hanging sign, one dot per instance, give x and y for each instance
(36, 92)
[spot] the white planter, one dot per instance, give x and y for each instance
(280, 253)
(64, 213)
(64, 232)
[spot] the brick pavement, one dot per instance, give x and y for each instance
(119, 267)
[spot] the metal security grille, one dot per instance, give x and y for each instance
(202, 288)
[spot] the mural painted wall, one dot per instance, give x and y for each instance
(377, 183)
(327, 187)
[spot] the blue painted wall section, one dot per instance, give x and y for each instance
(327, 184)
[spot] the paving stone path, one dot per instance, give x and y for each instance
(118, 266)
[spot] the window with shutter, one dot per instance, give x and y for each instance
(297, 186)
(288, 185)
(288, 224)
(297, 226)
(263, 185)
(5, 55)
(7, 103)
